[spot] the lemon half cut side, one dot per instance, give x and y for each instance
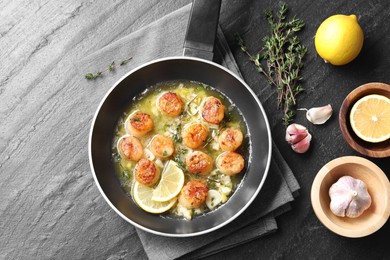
(370, 118)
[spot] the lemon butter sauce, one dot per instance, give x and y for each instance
(193, 95)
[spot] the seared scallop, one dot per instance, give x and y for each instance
(162, 146)
(130, 148)
(193, 194)
(230, 139)
(213, 110)
(139, 123)
(194, 135)
(230, 163)
(146, 172)
(199, 162)
(170, 104)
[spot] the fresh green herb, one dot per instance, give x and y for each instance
(177, 137)
(90, 76)
(110, 68)
(180, 163)
(181, 151)
(127, 174)
(116, 156)
(123, 62)
(212, 181)
(136, 119)
(228, 117)
(280, 59)
(164, 153)
(222, 125)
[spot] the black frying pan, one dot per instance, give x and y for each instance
(182, 68)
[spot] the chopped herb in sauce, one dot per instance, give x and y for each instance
(127, 174)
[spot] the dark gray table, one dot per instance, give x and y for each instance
(50, 207)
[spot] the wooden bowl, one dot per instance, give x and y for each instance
(378, 187)
(378, 150)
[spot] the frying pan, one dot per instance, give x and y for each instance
(199, 42)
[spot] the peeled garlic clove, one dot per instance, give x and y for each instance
(318, 115)
(303, 145)
(213, 199)
(349, 197)
(295, 133)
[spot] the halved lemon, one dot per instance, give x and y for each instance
(143, 197)
(370, 118)
(172, 180)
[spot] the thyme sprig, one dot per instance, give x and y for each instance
(280, 59)
(110, 68)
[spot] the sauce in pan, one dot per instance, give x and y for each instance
(188, 126)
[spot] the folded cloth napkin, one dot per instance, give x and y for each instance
(163, 38)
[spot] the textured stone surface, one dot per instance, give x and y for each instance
(50, 207)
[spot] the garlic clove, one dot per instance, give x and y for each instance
(303, 145)
(349, 197)
(360, 202)
(295, 133)
(318, 115)
(339, 206)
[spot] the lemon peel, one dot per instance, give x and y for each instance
(339, 39)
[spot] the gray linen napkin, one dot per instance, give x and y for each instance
(164, 38)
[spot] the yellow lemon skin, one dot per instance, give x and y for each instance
(339, 39)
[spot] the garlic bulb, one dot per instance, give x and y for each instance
(318, 115)
(349, 197)
(299, 138)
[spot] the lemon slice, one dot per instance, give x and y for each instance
(370, 118)
(172, 180)
(143, 197)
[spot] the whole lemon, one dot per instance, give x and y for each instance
(339, 39)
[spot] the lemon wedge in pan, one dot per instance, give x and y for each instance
(171, 183)
(143, 197)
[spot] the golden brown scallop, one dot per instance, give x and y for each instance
(194, 135)
(213, 110)
(230, 163)
(230, 139)
(199, 162)
(146, 172)
(170, 104)
(139, 123)
(130, 148)
(162, 146)
(193, 194)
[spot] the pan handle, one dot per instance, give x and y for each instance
(202, 29)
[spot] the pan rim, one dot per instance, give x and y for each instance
(238, 213)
